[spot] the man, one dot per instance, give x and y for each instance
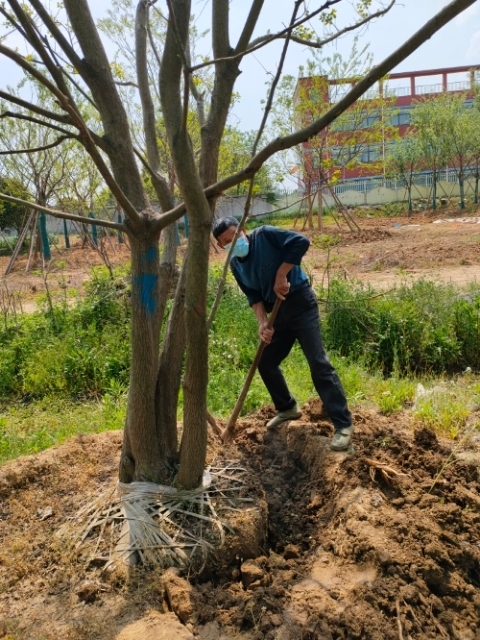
(266, 265)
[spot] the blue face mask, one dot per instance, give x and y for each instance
(241, 248)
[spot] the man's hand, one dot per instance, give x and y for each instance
(281, 286)
(265, 334)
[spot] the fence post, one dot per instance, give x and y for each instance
(65, 234)
(94, 230)
(42, 223)
(120, 234)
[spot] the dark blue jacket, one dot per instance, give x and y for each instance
(269, 247)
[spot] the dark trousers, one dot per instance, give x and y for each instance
(298, 319)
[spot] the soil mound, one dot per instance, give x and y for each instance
(379, 543)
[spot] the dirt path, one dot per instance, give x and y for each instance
(370, 544)
(386, 252)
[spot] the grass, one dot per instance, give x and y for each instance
(445, 408)
(33, 427)
(65, 371)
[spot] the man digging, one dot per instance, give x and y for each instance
(266, 265)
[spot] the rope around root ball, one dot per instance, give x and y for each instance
(160, 525)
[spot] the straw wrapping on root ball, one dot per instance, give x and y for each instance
(162, 525)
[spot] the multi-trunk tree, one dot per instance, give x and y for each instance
(66, 55)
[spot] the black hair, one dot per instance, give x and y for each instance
(222, 224)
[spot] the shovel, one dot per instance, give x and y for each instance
(228, 431)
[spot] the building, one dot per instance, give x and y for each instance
(379, 119)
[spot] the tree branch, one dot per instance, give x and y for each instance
(220, 37)
(65, 216)
(249, 26)
(33, 37)
(31, 70)
(148, 108)
(96, 72)
(319, 44)
(58, 141)
(279, 144)
(52, 27)
(22, 116)
(271, 94)
(62, 68)
(266, 39)
(9, 97)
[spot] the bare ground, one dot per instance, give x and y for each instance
(368, 544)
(379, 543)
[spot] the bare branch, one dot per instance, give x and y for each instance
(183, 55)
(126, 84)
(318, 44)
(249, 26)
(221, 42)
(58, 141)
(268, 106)
(56, 33)
(34, 38)
(266, 39)
(65, 216)
(9, 97)
(22, 116)
(31, 70)
(148, 108)
(381, 70)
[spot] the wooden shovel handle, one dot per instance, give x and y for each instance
(228, 431)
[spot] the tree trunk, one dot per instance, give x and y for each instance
(194, 441)
(170, 374)
(142, 457)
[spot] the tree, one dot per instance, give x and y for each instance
(45, 163)
(150, 437)
(458, 137)
(429, 125)
(403, 161)
(12, 216)
(342, 145)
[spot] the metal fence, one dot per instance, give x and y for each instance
(421, 179)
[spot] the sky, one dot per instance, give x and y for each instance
(457, 44)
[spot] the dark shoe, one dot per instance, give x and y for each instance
(284, 416)
(341, 439)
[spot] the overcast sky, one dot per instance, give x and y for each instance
(457, 44)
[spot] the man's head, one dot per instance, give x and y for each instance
(224, 230)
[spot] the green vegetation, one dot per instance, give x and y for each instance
(425, 328)
(64, 370)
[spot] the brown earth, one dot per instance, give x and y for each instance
(379, 543)
(385, 252)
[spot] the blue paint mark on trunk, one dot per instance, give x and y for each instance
(151, 254)
(147, 285)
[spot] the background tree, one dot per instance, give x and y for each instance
(403, 161)
(13, 216)
(429, 122)
(150, 437)
(458, 137)
(363, 128)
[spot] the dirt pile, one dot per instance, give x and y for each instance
(370, 544)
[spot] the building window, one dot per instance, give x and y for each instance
(371, 153)
(400, 118)
(369, 120)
